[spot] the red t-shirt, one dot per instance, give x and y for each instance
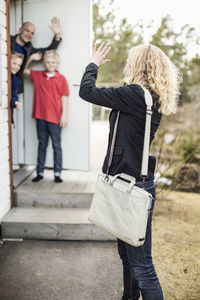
(48, 91)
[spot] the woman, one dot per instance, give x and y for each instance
(147, 66)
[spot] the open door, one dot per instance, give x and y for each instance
(74, 51)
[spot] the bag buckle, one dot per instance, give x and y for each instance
(106, 178)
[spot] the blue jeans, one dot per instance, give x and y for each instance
(139, 274)
(44, 130)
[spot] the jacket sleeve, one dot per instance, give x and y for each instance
(12, 42)
(121, 98)
(53, 46)
(14, 96)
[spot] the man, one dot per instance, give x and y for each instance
(21, 43)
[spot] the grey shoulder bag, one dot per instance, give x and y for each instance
(119, 207)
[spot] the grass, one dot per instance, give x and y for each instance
(176, 245)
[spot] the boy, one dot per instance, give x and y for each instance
(49, 109)
(15, 65)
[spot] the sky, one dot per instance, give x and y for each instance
(182, 12)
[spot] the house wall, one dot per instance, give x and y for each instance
(4, 127)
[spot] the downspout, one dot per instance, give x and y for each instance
(9, 97)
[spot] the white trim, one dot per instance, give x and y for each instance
(4, 101)
(3, 116)
(4, 88)
(4, 156)
(4, 209)
(3, 33)
(4, 74)
(2, 19)
(4, 138)
(2, 6)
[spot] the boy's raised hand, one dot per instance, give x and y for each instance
(17, 105)
(99, 55)
(36, 56)
(55, 27)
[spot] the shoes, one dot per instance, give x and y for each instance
(58, 179)
(37, 178)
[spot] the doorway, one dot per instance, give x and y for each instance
(76, 20)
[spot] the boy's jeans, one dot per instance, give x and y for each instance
(139, 274)
(44, 129)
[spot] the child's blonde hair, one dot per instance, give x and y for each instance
(151, 68)
(52, 54)
(17, 55)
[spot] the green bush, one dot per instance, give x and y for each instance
(189, 148)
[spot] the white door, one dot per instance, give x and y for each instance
(74, 50)
(18, 129)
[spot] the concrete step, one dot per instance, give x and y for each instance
(52, 200)
(51, 224)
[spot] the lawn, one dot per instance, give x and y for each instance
(176, 245)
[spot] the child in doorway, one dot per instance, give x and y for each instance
(49, 109)
(15, 65)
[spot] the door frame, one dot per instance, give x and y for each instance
(9, 97)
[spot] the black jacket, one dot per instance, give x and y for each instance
(28, 47)
(129, 100)
(15, 82)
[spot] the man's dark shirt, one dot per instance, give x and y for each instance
(28, 50)
(15, 82)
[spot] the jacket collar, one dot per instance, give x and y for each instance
(26, 46)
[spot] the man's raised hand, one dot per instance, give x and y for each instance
(55, 27)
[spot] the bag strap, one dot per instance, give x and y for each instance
(145, 154)
(113, 143)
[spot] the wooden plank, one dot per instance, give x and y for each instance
(3, 52)
(3, 33)
(9, 97)
(4, 157)
(5, 207)
(5, 195)
(3, 56)
(49, 215)
(4, 181)
(4, 102)
(3, 6)
(52, 224)
(3, 129)
(4, 150)
(3, 115)
(3, 141)
(4, 88)
(2, 19)
(22, 174)
(4, 74)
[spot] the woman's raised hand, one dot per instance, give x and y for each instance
(99, 55)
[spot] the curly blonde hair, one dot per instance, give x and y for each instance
(151, 68)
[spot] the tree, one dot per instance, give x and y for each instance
(174, 44)
(121, 37)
